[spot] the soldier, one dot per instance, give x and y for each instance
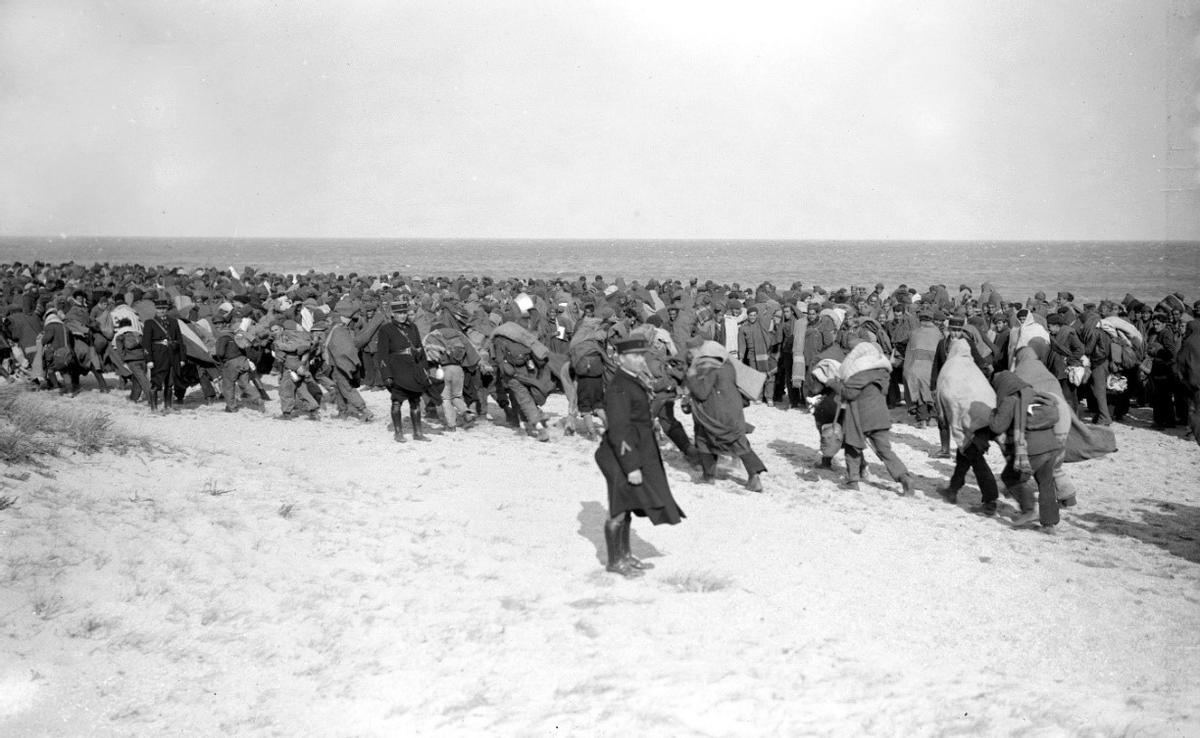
(405, 374)
(163, 345)
(629, 458)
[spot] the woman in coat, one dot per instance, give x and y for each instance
(629, 458)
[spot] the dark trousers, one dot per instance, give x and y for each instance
(1047, 491)
(371, 375)
(1097, 394)
(165, 374)
(1162, 400)
(973, 456)
(895, 387)
(783, 381)
(881, 442)
(1069, 394)
(673, 428)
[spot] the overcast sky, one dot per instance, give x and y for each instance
(1025, 119)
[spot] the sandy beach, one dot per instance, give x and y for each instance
(239, 575)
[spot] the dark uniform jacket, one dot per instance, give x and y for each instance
(161, 340)
(402, 356)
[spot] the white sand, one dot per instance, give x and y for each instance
(456, 588)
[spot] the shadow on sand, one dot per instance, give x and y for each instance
(1169, 525)
(591, 526)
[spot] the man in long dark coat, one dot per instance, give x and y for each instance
(629, 458)
(163, 345)
(405, 371)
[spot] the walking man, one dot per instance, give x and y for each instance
(629, 458)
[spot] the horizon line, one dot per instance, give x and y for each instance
(552, 239)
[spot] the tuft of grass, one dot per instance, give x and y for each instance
(46, 606)
(211, 489)
(90, 627)
(34, 426)
(7, 502)
(286, 510)
(698, 581)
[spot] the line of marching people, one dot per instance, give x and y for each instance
(442, 348)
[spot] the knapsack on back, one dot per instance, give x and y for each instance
(587, 359)
(1042, 413)
(512, 352)
(1123, 354)
(293, 342)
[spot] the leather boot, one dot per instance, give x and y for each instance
(627, 553)
(397, 423)
(167, 406)
(617, 564)
(153, 397)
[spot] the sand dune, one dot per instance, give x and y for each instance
(258, 577)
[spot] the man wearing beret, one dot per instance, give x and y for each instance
(629, 458)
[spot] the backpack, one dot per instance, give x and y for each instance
(1042, 413)
(293, 342)
(587, 359)
(512, 352)
(445, 349)
(1123, 354)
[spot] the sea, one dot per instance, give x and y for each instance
(1091, 270)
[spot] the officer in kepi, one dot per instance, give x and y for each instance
(629, 458)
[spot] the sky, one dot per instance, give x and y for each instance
(921, 119)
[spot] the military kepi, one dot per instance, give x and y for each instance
(631, 346)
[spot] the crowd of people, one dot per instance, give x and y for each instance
(981, 368)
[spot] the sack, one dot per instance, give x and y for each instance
(589, 365)
(1146, 366)
(63, 359)
(293, 342)
(1123, 355)
(512, 352)
(1117, 383)
(750, 381)
(1077, 375)
(832, 437)
(1042, 413)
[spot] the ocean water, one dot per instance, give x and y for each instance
(1091, 270)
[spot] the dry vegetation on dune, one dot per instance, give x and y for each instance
(34, 425)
